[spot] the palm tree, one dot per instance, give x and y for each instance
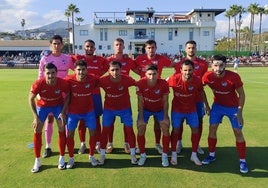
(234, 11)
(252, 9)
(79, 20)
(245, 32)
(241, 11)
(262, 10)
(73, 9)
(23, 22)
(68, 14)
(228, 15)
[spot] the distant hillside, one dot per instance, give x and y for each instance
(55, 25)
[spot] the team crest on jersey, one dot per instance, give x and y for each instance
(120, 88)
(155, 62)
(190, 88)
(87, 86)
(57, 91)
(157, 91)
(224, 83)
(123, 63)
(196, 67)
(63, 61)
(95, 61)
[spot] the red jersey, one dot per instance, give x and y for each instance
(200, 68)
(160, 60)
(224, 88)
(95, 65)
(81, 94)
(116, 93)
(126, 62)
(152, 96)
(50, 95)
(184, 93)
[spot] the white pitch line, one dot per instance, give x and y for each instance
(251, 81)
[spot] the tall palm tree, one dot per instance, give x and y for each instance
(241, 11)
(79, 20)
(245, 32)
(22, 23)
(228, 15)
(262, 10)
(68, 14)
(234, 11)
(73, 10)
(253, 10)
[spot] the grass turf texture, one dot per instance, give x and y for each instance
(17, 160)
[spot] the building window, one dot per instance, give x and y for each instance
(205, 33)
(109, 47)
(176, 33)
(208, 15)
(122, 32)
(100, 47)
(75, 46)
(83, 32)
(170, 34)
(105, 34)
(101, 34)
(140, 33)
(80, 47)
(191, 34)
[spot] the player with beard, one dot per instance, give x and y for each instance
(200, 68)
(185, 87)
(229, 99)
(151, 57)
(96, 66)
(127, 64)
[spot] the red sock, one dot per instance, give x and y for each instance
(212, 144)
(104, 137)
(131, 139)
(98, 129)
(200, 130)
(165, 143)
(195, 141)
(82, 131)
(111, 134)
(180, 132)
(62, 142)
(241, 149)
(125, 134)
(141, 142)
(37, 140)
(70, 146)
(174, 140)
(92, 144)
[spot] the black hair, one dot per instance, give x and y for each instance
(50, 66)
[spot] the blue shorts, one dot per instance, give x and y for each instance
(97, 102)
(159, 115)
(89, 119)
(110, 115)
(218, 111)
(200, 109)
(191, 119)
(43, 112)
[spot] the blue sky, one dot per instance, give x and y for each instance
(41, 12)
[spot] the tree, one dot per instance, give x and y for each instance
(68, 14)
(228, 15)
(23, 22)
(79, 20)
(73, 10)
(253, 9)
(262, 10)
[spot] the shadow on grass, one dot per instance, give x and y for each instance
(226, 161)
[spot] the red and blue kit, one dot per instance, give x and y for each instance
(81, 94)
(224, 88)
(160, 60)
(184, 92)
(116, 93)
(152, 96)
(50, 95)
